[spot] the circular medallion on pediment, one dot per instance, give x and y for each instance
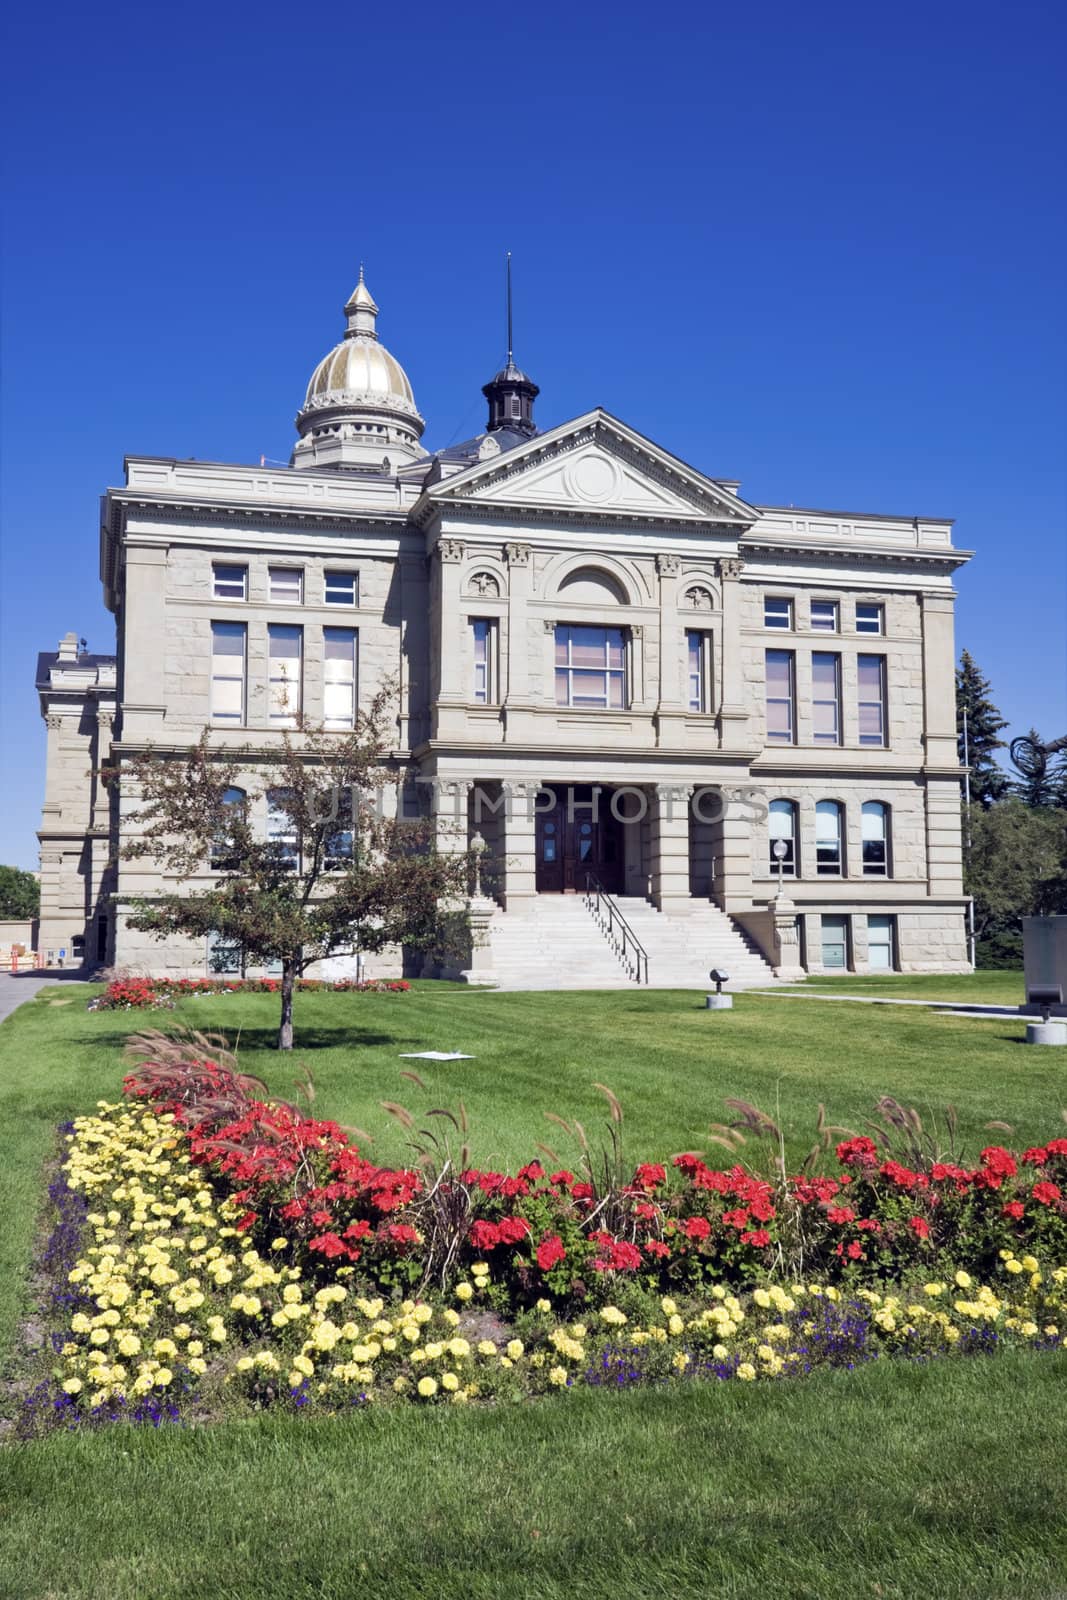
(592, 479)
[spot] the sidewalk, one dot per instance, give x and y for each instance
(14, 989)
(957, 1008)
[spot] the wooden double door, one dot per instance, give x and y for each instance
(574, 839)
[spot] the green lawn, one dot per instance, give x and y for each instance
(897, 1481)
(970, 988)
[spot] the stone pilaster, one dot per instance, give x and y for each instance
(732, 710)
(670, 847)
(519, 828)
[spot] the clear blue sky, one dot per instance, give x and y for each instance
(820, 248)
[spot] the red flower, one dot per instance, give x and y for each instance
(855, 1251)
(736, 1219)
(322, 1219)
(250, 1216)
(513, 1229)
(616, 1255)
(550, 1251)
(484, 1235)
(650, 1175)
(859, 1151)
(840, 1214)
(582, 1191)
(759, 1238)
(1057, 1147)
(868, 1225)
(1014, 1208)
(1036, 1156)
(920, 1228)
(533, 1171)
(328, 1244)
(657, 1247)
(357, 1230)
(696, 1227)
(1046, 1193)
(402, 1233)
(903, 1177)
(562, 1179)
(998, 1161)
(647, 1213)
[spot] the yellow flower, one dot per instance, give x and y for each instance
(558, 1377)
(279, 1244)
(681, 1361)
(668, 1305)
(515, 1348)
(762, 1298)
(73, 1386)
(163, 1377)
(613, 1316)
(427, 1387)
(460, 1397)
(450, 1317)
(720, 1352)
(129, 1344)
(1031, 1264)
(964, 1280)
(486, 1347)
(543, 1306)
(464, 1291)
(933, 1289)
(746, 1371)
(295, 1379)
(449, 1381)
(675, 1326)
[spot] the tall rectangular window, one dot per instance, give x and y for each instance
(483, 645)
(228, 642)
(824, 616)
(777, 612)
(287, 585)
(224, 958)
(286, 651)
(881, 943)
(340, 588)
(591, 668)
(835, 943)
(339, 678)
(826, 697)
(870, 618)
(781, 697)
(282, 832)
(229, 583)
(871, 674)
(829, 843)
(875, 837)
(698, 672)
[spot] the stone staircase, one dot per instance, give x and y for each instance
(556, 943)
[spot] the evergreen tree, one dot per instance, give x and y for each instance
(984, 723)
(1039, 783)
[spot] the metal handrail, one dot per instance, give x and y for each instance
(629, 949)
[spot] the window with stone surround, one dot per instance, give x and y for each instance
(875, 837)
(698, 670)
(781, 696)
(591, 668)
(281, 830)
(224, 959)
(341, 588)
(339, 648)
(286, 585)
(881, 943)
(824, 616)
(829, 839)
(286, 655)
(229, 582)
(826, 697)
(782, 825)
(222, 844)
(777, 612)
(835, 943)
(229, 642)
(871, 678)
(870, 618)
(483, 648)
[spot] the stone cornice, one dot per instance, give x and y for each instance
(217, 512)
(946, 561)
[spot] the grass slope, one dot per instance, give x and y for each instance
(941, 1481)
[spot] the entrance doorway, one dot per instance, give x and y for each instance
(575, 838)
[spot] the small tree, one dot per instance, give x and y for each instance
(333, 876)
(20, 894)
(1017, 865)
(984, 724)
(1040, 782)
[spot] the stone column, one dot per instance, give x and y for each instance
(450, 688)
(670, 848)
(732, 710)
(787, 962)
(517, 675)
(519, 831)
(732, 844)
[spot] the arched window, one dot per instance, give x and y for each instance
(593, 585)
(829, 839)
(875, 833)
(282, 830)
(783, 829)
(222, 845)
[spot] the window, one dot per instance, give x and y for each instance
(590, 667)
(829, 846)
(222, 848)
(224, 958)
(339, 678)
(870, 619)
(483, 640)
(781, 697)
(824, 616)
(874, 832)
(282, 830)
(228, 672)
(338, 847)
(287, 585)
(286, 649)
(783, 827)
(698, 675)
(826, 697)
(881, 944)
(871, 671)
(340, 589)
(835, 943)
(777, 613)
(229, 583)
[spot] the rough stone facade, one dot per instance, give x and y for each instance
(519, 537)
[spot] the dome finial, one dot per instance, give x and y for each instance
(361, 311)
(511, 393)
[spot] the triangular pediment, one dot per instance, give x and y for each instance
(595, 466)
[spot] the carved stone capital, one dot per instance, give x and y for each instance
(517, 555)
(668, 566)
(53, 720)
(550, 624)
(637, 630)
(53, 858)
(451, 550)
(731, 567)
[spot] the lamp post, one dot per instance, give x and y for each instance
(779, 850)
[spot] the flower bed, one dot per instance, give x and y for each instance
(235, 1250)
(160, 994)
